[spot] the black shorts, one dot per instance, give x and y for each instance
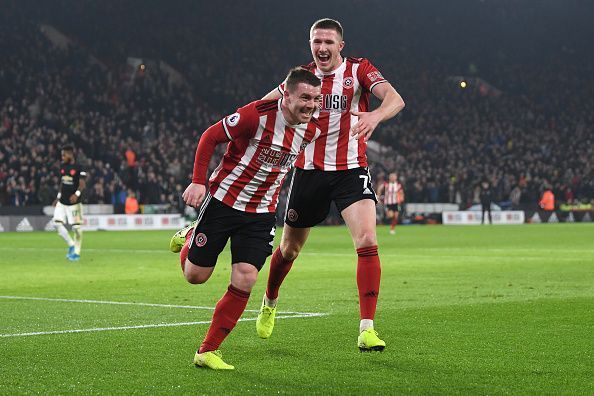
(312, 191)
(251, 234)
(393, 207)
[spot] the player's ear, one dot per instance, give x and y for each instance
(341, 46)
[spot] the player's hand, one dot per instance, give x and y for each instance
(73, 198)
(365, 126)
(194, 194)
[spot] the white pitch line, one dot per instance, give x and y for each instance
(309, 315)
(138, 304)
(539, 253)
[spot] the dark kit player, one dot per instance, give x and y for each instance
(68, 208)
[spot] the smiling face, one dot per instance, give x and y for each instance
(301, 102)
(326, 45)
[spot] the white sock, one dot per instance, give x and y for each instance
(77, 239)
(270, 302)
(365, 324)
(63, 232)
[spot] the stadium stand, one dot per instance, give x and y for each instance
(523, 121)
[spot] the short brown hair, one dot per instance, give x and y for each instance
(300, 75)
(327, 23)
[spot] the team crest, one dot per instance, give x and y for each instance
(292, 215)
(348, 82)
(233, 119)
(201, 239)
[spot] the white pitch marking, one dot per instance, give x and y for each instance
(140, 304)
(410, 254)
(308, 315)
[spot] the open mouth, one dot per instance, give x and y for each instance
(324, 58)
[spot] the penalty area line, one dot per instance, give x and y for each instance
(147, 326)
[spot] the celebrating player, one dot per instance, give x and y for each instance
(334, 168)
(68, 204)
(264, 139)
(392, 193)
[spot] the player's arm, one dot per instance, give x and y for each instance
(81, 186)
(274, 94)
(242, 124)
(213, 136)
(392, 104)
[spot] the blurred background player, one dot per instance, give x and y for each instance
(392, 194)
(68, 208)
(486, 198)
(264, 139)
(334, 168)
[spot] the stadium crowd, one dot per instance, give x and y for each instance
(135, 129)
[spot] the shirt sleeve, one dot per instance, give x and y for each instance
(369, 76)
(242, 123)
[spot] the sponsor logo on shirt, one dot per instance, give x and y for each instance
(334, 103)
(374, 76)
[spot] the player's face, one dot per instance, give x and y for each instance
(393, 177)
(302, 103)
(326, 45)
(67, 156)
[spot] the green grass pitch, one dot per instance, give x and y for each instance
(463, 310)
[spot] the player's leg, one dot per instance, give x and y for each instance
(250, 246)
(355, 198)
(59, 220)
(292, 241)
(75, 218)
(308, 204)
(391, 215)
(360, 220)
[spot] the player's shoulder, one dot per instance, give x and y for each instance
(356, 60)
(265, 106)
(311, 66)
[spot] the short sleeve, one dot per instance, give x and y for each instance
(368, 75)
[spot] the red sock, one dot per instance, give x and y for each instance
(279, 268)
(183, 254)
(225, 317)
(368, 280)
(394, 222)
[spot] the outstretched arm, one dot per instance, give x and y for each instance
(392, 104)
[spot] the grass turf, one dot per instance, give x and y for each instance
(464, 310)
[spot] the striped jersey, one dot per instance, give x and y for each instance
(346, 88)
(393, 193)
(262, 150)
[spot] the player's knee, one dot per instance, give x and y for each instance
(244, 276)
(290, 250)
(195, 275)
(365, 239)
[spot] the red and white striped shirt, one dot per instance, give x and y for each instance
(393, 193)
(346, 88)
(262, 150)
